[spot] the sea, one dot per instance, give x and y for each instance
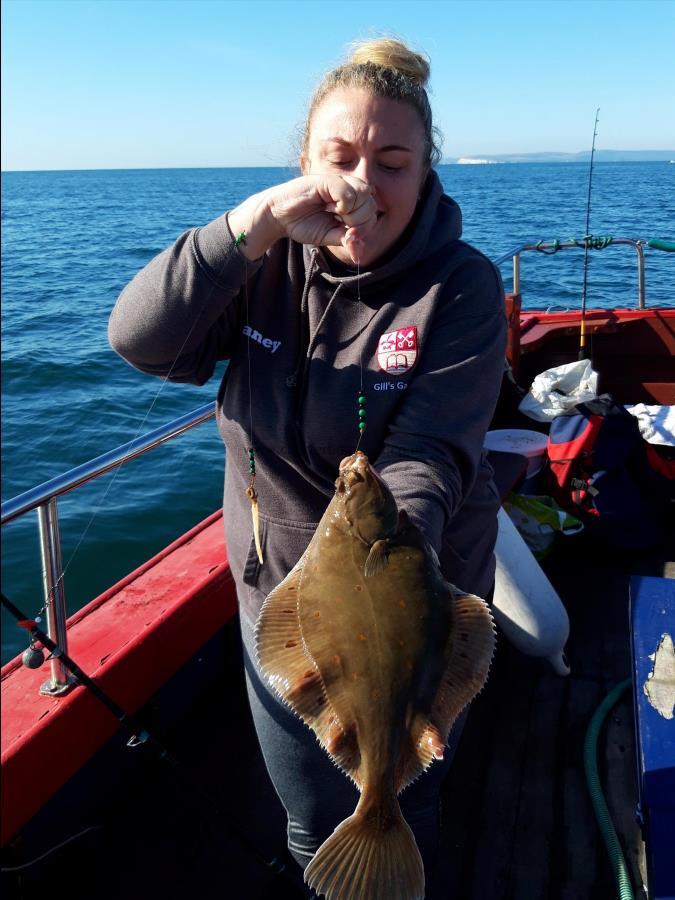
(71, 240)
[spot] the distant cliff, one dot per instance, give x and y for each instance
(583, 156)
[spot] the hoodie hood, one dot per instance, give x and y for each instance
(437, 222)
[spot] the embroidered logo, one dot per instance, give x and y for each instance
(397, 350)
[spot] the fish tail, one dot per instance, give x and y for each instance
(372, 855)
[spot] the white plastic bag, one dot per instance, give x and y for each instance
(557, 391)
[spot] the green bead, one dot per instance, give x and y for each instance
(362, 414)
(362, 400)
(362, 426)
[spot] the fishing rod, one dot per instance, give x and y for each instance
(139, 736)
(587, 240)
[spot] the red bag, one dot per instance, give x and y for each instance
(601, 470)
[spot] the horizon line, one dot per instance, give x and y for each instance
(442, 163)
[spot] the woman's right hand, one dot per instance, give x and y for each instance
(324, 210)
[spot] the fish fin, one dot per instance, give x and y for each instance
(289, 669)
(377, 558)
(371, 854)
(278, 641)
(292, 673)
(470, 649)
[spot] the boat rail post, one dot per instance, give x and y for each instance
(55, 596)
(516, 273)
(641, 274)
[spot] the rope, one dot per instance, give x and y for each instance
(588, 242)
(548, 251)
(591, 242)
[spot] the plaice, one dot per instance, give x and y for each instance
(378, 654)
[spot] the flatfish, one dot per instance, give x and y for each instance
(378, 654)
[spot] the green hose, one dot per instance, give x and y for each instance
(609, 835)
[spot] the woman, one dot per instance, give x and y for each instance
(350, 279)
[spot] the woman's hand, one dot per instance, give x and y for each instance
(325, 210)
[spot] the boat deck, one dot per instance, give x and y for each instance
(517, 824)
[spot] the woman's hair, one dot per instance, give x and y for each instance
(387, 68)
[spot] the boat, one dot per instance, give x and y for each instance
(175, 800)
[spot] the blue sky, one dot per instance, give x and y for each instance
(154, 83)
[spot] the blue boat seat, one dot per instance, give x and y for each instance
(652, 633)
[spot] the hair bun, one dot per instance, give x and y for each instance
(392, 54)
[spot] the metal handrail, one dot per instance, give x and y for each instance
(554, 246)
(74, 478)
(44, 499)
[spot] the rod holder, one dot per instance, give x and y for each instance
(55, 596)
(516, 273)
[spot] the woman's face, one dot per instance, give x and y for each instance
(380, 141)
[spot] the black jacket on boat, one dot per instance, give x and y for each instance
(426, 339)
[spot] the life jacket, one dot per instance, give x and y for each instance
(602, 471)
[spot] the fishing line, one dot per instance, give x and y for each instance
(32, 862)
(164, 381)
(250, 490)
(361, 397)
(101, 503)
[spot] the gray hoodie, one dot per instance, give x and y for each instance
(424, 333)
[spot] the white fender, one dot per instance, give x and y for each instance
(525, 606)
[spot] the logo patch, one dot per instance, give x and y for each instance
(397, 350)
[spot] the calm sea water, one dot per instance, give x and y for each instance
(71, 241)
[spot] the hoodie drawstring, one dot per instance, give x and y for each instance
(292, 380)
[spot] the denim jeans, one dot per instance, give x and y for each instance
(317, 796)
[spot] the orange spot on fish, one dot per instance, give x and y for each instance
(358, 587)
(402, 604)
(362, 637)
(355, 676)
(317, 614)
(291, 644)
(309, 673)
(336, 659)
